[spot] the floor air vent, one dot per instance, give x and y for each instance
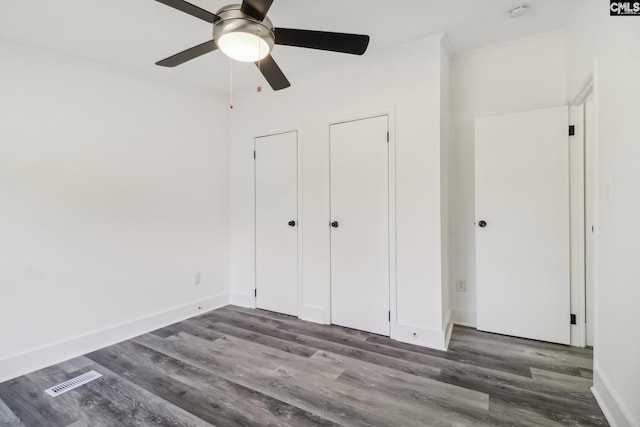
(64, 387)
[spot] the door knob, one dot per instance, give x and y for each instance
(482, 224)
(292, 223)
(335, 224)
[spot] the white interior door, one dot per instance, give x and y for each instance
(360, 225)
(276, 177)
(522, 253)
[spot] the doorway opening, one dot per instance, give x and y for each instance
(583, 215)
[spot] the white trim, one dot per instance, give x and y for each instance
(584, 92)
(393, 257)
(615, 411)
(591, 213)
(299, 219)
(464, 317)
(596, 212)
(33, 360)
(390, 112)
(300, 224)
(448, 329)
(327, 215)
(418, 335)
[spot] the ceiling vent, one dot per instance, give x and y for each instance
(519, 11)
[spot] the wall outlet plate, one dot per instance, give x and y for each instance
(196, 279)
(461, 285)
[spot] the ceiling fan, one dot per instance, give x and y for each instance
(244, 32)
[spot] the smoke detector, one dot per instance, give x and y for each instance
(519, 11)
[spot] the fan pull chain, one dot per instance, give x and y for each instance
(231, 83)
(259, 88)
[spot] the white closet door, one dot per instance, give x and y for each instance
(277, 223)
(522, 252)
(360, 225)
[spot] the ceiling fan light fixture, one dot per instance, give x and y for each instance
(244, 47)
(242, 37)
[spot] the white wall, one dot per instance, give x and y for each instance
(520, 75)
(407, 79)
(612, 44)
(113, 194)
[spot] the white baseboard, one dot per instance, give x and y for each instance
(243, 299)
(612, 407)
(21, 364)
(418, 335)
(464, 317)
(448, 329)
(424, 337)
(314, 314)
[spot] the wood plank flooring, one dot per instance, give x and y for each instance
(242, 367)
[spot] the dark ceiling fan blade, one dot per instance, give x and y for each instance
(273, 73)
(189, 54)
(256, 8)
(355, 44)
(191, 9)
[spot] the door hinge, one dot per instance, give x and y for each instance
(387, 136)
(255, 292)
(572, 130)
(254, 154)
(389, 315)
(573, 319)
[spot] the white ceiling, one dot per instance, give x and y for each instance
(137, 33)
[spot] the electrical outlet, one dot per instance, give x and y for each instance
(196, 278)
(461, 285)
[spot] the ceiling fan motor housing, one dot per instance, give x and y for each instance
(233, 20)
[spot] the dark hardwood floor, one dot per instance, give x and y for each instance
(242, 367)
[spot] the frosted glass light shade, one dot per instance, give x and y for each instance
(244, 47)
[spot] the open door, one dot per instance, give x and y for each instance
(276, 174)
(522, 225)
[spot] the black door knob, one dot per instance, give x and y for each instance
(482, 224)
(335, 224)
(292, 223)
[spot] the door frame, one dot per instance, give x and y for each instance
(578, 211)
(390, 112)
(299, 219)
